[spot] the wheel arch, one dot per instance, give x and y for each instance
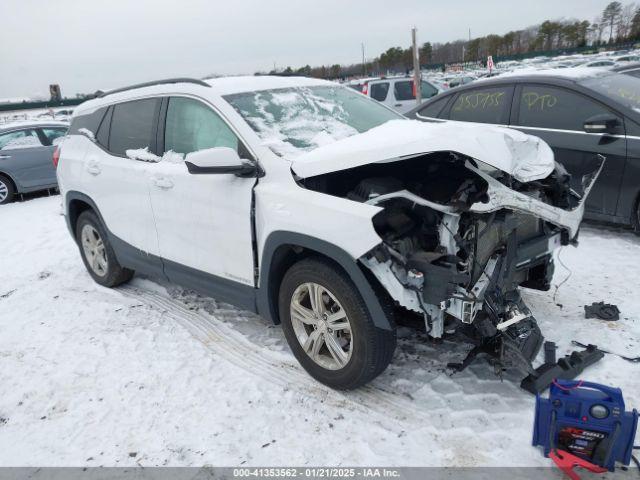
(76, 203)
(12, 180)
(282, 249)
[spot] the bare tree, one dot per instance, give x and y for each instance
(611, 16)
(626, 18)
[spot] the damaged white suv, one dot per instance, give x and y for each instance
(320, 209)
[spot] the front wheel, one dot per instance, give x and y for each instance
(329, 328)
(7, 191)
(96, 251)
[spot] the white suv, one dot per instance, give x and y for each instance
(320, 209)
(399, 93)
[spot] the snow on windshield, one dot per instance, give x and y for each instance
(292, 121)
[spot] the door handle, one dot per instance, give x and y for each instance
(93, 168)
(5, 157)
(163, 183)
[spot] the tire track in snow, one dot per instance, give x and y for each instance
(237, 349)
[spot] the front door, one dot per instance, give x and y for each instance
(557, 116)
(203, 221)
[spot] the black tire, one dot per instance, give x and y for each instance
(635, 220)
(114, 274)
(6, 183)
(372, 347)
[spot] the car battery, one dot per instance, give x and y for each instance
(587, 420)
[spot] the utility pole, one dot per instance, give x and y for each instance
(416, 67)
(364, 65)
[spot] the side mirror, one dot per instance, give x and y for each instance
(219, 160)
(603, 123)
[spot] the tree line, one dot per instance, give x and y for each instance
(617, 23)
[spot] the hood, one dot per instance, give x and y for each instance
(522, 156)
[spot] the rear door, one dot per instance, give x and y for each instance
(490, 105)
(557, 114)
(118, 182)
(380, 91)
(404, 97)
(24, 156)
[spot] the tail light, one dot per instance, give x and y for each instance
(365, 89)
(413, 89)
(56, 157)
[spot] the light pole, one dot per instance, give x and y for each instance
(416, 67)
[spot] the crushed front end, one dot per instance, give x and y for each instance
(460, 237)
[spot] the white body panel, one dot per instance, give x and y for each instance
(282, 205)
(401, 106)
(119, 187)
(203, 221)
(523, 156)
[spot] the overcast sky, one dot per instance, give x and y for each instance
(85, 45)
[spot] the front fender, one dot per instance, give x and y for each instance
(267, 296)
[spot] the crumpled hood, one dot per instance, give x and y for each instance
(522, 156)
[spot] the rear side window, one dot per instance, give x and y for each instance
(379, 91)
(90, 122)
(132, 126)
(27, 138)
(427, 90)
(486, 105)
(551, 107)
(434, 108)
(53, 135)
(191, 126)
(403, 90)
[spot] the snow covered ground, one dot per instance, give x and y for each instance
(148, 374)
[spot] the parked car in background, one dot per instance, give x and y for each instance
(63, 114)
(26, 157)
(632, 68)
(359, 84)
(627, 58)
(399, 93)
(600, 63)
(580, 113)
(456, 81)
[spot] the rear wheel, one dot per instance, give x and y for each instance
(635, 221)
(7, 190)
(97, 253)
(329, 328)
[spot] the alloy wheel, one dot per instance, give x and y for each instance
(321, 326)
(4, 191)
(94, 250)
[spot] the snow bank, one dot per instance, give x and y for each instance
(149, 374)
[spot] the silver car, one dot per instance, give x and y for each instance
(26, 157)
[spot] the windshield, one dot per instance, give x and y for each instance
(292, 121)
(623, 89)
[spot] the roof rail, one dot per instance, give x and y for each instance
(195, 81)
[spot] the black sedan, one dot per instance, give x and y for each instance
(581, 113)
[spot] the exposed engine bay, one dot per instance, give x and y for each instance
(458, 239)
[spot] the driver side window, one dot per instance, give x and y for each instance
(557, 108)
(191, 126)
